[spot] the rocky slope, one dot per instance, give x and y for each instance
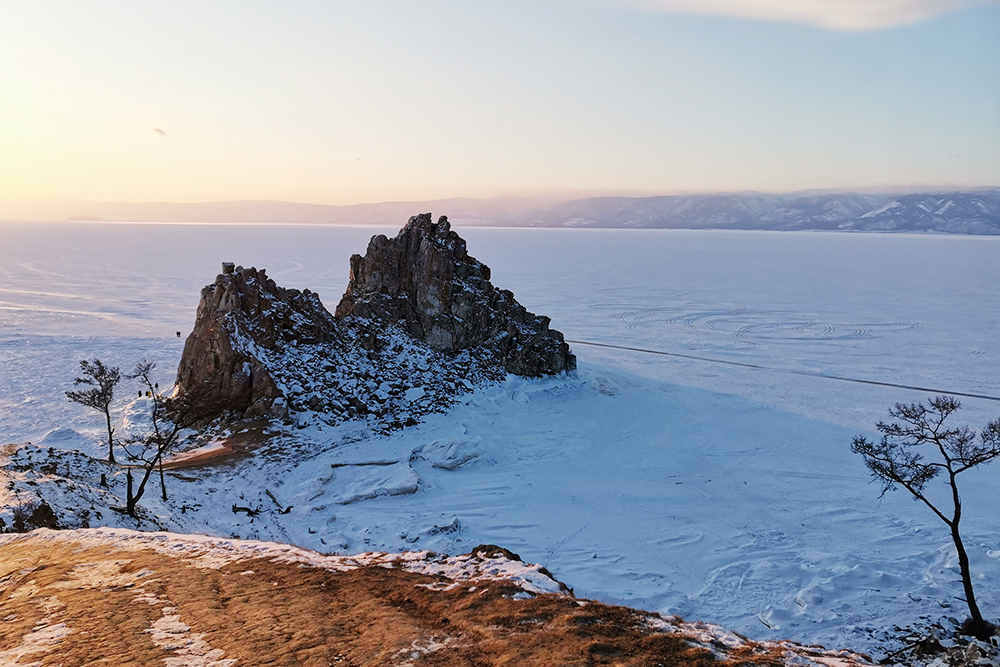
(419, 325)
(122, 597)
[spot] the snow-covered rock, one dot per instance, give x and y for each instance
(419, 325)
(425, 281)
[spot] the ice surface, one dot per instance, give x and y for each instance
(718, 492)
(920, 310)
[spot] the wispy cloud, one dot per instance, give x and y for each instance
(831, 14)
(158, 130)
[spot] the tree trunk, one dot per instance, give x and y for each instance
(111, 438)
(163, 485)
(978, 627)
(149, 467)
(129, 499)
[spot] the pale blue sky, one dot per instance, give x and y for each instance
(335, 102)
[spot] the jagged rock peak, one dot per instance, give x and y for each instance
(425, 281)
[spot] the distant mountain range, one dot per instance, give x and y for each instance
(952, 212)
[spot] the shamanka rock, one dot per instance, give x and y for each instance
(420, 325)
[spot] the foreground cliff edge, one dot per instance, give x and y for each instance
(420, 324)
(106, 596)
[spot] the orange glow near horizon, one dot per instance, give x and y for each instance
(321, 103)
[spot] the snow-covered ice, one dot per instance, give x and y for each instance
(717, 492)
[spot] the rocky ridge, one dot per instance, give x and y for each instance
(419, 325)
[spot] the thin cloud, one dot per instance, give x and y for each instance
(158, 130)
(830, 14)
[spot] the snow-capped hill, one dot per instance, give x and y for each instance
(882, 209)
(419, 325)
(819, 212)
(747, 210)
(685, 212)
(956, 212)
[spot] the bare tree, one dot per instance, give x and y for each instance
(102, 381)
(899, 460)
(168, 417)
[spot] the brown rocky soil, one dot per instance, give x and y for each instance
(72, 603)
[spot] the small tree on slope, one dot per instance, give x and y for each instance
(168, 418)
(102, 380)
(899, 460)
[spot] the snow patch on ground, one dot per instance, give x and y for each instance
(422, 647)
(187, 649)
(214, 553)
(40, 640)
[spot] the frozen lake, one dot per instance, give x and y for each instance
(905, 309)
(717, 491)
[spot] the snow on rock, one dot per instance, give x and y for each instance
(419, 326)
(363, 481)
(451, 454)
(426, 281)
(65, 438)
(137, 421)
(54, 488)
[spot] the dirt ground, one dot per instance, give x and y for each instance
(63, 604)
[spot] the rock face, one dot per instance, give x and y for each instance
(241, 315)
(420, 324)
(425, 281)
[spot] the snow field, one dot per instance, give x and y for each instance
(630, 490)
(716, 492)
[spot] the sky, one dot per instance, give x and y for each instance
(348, 102)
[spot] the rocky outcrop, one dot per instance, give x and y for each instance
(425, 281)
(241, 315)
(420, 325)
